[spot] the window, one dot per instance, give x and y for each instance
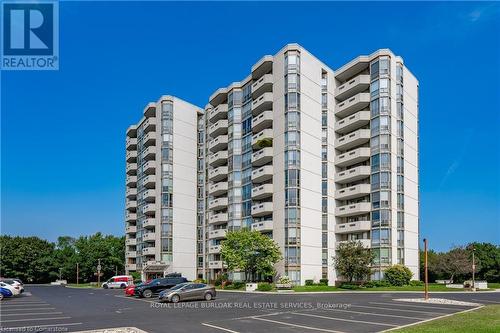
(292, 235)
(292, 101)
(292, 216)
(381, 218)
(292, 82)
(292, 121)
(292, 178)
(381, 199)
(292, 197)
(324, 101)
(292, 139)
(292, 158)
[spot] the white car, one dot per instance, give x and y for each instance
(14, 283)
(15, 290)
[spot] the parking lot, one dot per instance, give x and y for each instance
(69, 309)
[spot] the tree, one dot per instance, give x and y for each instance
(455, 263)
(487, 261)
(266, 142)
(251, 252)
(353, 261)
(398, 275)
(27, 258)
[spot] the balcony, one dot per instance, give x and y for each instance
(216, 264)
(149, 223)
(352, 87)
(131, 168)
(219, 218)
(352, 157)
(353, 209)
(353, 122)
(262, 209)
(131, 267)
(365, 242)
(217, 113)
(131, 192)
(351, 227)
(132, 131)
(131, 241)
(218, 174)
(149, 124)
(149, 237)
(149, 168)
(131, 181)
(150, 110)
(217, 204)
(220, 127)
(262, 191)
(219, 143)
(130, 217)
(148, 251)
(262, 85)
(131, 254)
(354, 174)
(263, 226)
(264, 102)
(149, 181)
(131, 156)
(353, 139)
(131, 143)
(131, 229)
(262, 174)
(149, 195)
(217, 234)
(149, 139)
(352, 192)
(265, 134)
(149, 209)
(131, 205)
(219, 158)
(149, 153)
(356, 103)
(217, 189)
(262, 121)
(214, 249)
(262, 156)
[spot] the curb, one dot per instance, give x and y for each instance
(351, 292)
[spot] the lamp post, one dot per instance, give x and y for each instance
(473, 269)
(426, 275)
(77, 274)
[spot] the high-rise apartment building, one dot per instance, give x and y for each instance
(308, 155)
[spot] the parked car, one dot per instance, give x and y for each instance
(157, 285)
(15, 283)
(118, 281)
(129, 291)
(188, 291)
(15, 290)
(4, 291)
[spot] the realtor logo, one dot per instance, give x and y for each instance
(30, 36)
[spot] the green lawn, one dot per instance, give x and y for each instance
(484, 320)
(82, 285)
(493, 285)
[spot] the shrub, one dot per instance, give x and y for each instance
(199, 281)
(235, 286)
(264, 286)
(348, 286)
(218, 281)
(416, 283)
(309, 282)
(323, 282)
(284, 280)
(369, 284)
(398, 275)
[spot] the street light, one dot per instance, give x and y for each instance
(426, 279)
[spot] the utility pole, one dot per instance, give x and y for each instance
(473, 269)
(60, 274)
(77, 274)
(116, 270)
(426, 281)
(98, 273)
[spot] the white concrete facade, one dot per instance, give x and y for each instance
(308, 155)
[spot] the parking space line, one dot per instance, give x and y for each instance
(28, 314)
(33, 319)
(393, 309)
(14, 305)
(374, 314)
(420, 306)
(342, 319)
(483, 300)
(219, 328)
(427, 320)
(138, 299)
(295, 325)
(25, 309)
(29, 328)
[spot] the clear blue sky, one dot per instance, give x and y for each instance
(63, 132)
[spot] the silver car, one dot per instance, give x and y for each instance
(188, 291)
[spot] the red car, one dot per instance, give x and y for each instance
(129, 290)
